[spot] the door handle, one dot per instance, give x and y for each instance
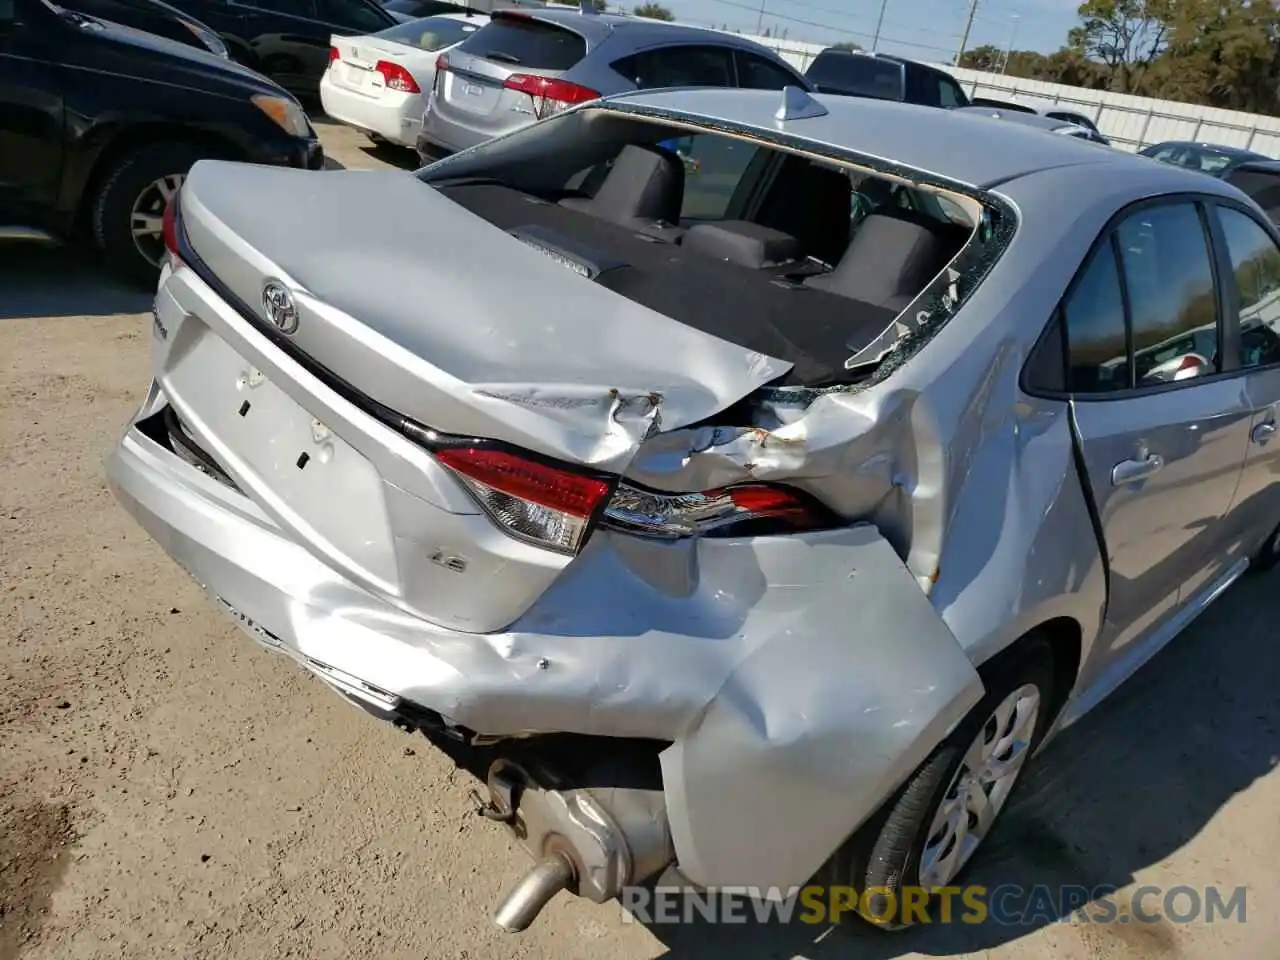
(1127, 471)
(1263, 432)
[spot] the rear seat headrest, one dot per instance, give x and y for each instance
(644, 183)
(889, 261)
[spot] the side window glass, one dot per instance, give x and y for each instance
(949, 93)
(757, 73)
(681, 67)
(1255, 263)
(1097, 354)
(714, 166)
(1172, 302)
(293, 8)
(354, 14)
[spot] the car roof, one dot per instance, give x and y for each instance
(594, 27)
(1223, 149)
(960, 144)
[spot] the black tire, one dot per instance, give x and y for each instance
(884, 855)
(1268, 557)
(112, 206)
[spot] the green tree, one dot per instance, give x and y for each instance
(847, 45)
(654, 11)
(1126, 36)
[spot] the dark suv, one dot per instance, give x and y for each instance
(100, 123)
(884, 77)
(287, 40)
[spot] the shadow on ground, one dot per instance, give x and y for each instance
(61, 281)
(1120, 791)
(346, 139)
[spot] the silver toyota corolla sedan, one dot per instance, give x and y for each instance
(744, 484)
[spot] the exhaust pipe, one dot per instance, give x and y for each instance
(521, 906)
(589, 840)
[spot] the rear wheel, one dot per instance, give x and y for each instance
(1269, 556)
(128, 210)
(928, 833)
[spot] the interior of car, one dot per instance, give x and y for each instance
(795, 257)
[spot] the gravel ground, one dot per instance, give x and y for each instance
(169, 789)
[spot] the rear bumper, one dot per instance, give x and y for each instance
(805, 726)
(398, 121)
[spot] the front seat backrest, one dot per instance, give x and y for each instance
(645, 184)
(888, 263)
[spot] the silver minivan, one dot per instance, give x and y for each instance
(529, 64)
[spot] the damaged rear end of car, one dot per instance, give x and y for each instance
(620, 506)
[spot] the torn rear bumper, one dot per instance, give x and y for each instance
(793, 682)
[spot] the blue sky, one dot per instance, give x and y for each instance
(922, 29)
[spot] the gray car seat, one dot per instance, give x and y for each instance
(644, 189)
(888, 261)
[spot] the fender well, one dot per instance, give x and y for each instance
(96, 162)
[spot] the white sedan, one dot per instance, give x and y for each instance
(375, 83)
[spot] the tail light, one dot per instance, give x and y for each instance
(529, 500)
(442, 63)
(550, 94)
(169, 227)
(333, 54)
(397, 77)
(748, 509)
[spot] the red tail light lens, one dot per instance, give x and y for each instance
(397, 77)
(529, 500)
(739, 510)
(333, 54)
(442, 63)
(169, 225)
(550, 94)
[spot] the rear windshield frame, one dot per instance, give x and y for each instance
(932, 308)
(553, 46)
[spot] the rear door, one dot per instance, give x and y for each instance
(489, 86)
(1162, 436)
(1251, 257)
(31, 114)
(680, 65)
(760, 73)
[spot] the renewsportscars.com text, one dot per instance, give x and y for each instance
(1008, 905)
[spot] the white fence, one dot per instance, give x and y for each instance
(1129, 122)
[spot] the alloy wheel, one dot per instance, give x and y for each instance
(980, 787)
(146, 218)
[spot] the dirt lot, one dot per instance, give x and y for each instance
(168, 789)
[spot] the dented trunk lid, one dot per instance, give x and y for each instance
(438, 315)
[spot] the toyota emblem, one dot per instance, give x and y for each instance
(277, 301)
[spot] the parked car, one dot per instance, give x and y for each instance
(1054, 112)
(722, 546)
(156, 17)
(375, 83)
(1051, 124)
(882, 76)
(416, 9)
(288, 40)
(1254, 174)
(529, 64)
(99, 124)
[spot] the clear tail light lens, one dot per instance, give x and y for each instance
(397, 77)
(550, 94)
(743, 510)
(529, 500)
